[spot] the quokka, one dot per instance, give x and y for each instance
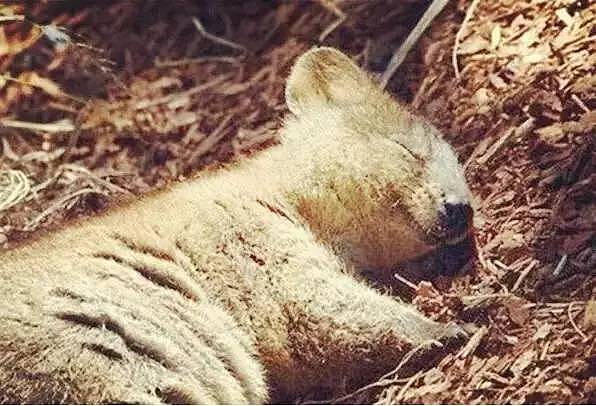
(243, 284)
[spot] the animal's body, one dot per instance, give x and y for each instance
(241, 285)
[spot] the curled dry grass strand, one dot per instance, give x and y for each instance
(14, 188)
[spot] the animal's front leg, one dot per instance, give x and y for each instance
(343, 332)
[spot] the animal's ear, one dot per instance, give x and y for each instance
(325, 76)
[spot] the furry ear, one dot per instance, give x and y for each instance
(325, 76)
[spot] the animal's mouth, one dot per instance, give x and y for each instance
(456, 240)
(450, 257)
(437, 240)
(456, 255)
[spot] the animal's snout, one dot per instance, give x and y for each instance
(456, 219)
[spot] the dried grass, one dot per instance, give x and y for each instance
(14, 188)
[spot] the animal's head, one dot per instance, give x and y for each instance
(378, 183)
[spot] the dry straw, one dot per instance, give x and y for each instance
(14, 188)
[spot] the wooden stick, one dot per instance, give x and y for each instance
(460, 33)
(214, 38)
(398, 57)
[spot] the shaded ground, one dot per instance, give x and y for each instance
(138, 97)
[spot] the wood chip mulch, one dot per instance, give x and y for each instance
(100, 102)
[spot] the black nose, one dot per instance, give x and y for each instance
(457, 219)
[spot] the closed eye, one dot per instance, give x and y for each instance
(417, 157)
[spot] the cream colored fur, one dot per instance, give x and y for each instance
(239, 286)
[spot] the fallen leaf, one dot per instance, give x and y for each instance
(529, 37)
(590, 314)
(534, 57)
(512, 240)
(542, 332)
(551, 133)
(482, 96)
(473, 45)
(564, 16)
(184, 118)
(497, 81)
(554, 386)
(522, 363)
(516, 310)
(495, 37)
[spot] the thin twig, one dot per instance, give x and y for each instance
(405, 281)
(398, 57)
(495, 147)
(384, 380)
(410, 382)
(60, 93)
(514, 132)
(62, 202)
(211, 140)
(523, 274)
(575, 326)
(473, 343)
(580, 103)
(143, 104)
(64, 125)
(459, 35)
(167, 63)
(214, 38)
(14, 188)
(96, 179)
(560, 265)
(332, 27)
(12, 18)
